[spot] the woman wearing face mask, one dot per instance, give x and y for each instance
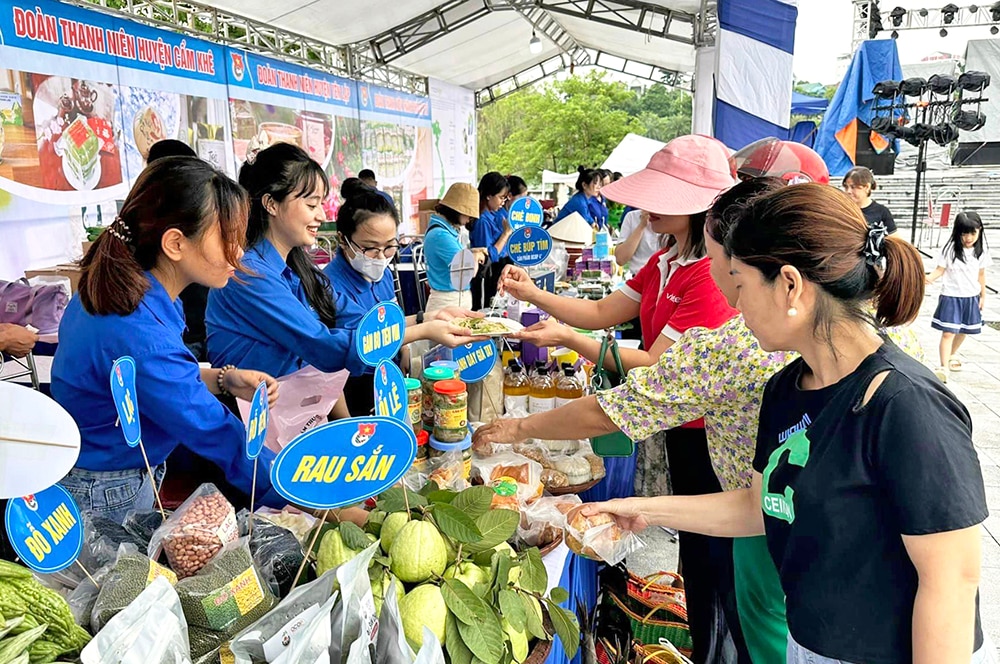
(183, 223)
(866, 482)
(490, 232)
(284, 315)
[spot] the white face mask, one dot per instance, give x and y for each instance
(371, 269)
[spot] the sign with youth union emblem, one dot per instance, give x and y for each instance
(380, 333)
(529, 246)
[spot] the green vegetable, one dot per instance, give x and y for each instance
(9, 570)
(12, 647)
(39, 605)
(44, 652)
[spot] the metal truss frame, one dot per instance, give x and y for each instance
(971, 16)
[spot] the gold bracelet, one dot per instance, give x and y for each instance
(222, 378)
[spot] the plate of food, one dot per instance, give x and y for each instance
(491, 326)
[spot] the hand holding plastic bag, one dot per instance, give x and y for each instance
(151, 630)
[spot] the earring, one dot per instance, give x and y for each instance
(793, 311)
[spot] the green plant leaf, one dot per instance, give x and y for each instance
(475, 501)
(533, 613)
(559, 595)
(429, 488)
(496, 527)
(566, 627)
(441, 497)
(485, 638)
(456, 524)
(534, 577)
(483, 558)
(501, 567)
(465, 604)
(512, 609)
(457, 650)
(392, 500)
(353, 536)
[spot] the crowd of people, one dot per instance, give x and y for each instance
(823, 480)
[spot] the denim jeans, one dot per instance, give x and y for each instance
(799, 655)
(113, 493)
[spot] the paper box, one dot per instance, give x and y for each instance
(70, 271)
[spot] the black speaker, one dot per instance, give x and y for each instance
(865, 155)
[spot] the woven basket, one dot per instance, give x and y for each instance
(649, 630)
(650, 591)
(655, 654)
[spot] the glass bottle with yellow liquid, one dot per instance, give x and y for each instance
(542, 394)
(568, 387)
(515, 389)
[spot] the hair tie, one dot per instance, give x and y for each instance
(121, 231)
(874, 251)
(251, 155)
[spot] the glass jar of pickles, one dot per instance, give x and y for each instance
(415, 404)
(423, 451)
(451, 411)
(439, 448)
(431, 376)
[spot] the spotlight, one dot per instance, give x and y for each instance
(913, 87)
(973, 9)
(535, 45)
(887, 89)
(969, 120)
(897, 15)
(943, 33)
(944, 133)
(994, 30)
(895, 33)
(974, 81)
(940, 84)
(995, 12)
(948, 13)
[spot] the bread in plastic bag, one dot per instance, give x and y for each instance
(305, 399)
(265, 639)
(132, 573)
(151, 630)
(225, 597)
(598, 537)
(506, 468)
(275, 550)
(544, 521)
(198, 530)
(448, 471)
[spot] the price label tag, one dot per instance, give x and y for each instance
(45, 529)
(379, 335)
(390, 391)
(344, 462)
(125, 398)
(525, 212)
(257, 423)
(475, 360)
(529, 246)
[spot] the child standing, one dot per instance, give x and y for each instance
(962, 264)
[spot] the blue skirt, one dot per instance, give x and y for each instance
(958, 315)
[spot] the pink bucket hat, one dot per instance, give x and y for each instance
(684, 177)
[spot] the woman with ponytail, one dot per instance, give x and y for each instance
(284, 314)
(866, 482)
(588, 187)
(183, 223)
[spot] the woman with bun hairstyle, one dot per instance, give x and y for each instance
(284, 314)
(490, 233)
(588, 186)
(518, 189)
(859, 183)
(866, 482)
(183, 223)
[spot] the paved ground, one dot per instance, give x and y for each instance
(978, 386)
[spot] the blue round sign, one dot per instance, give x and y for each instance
(344, 462)
(257, 423)
(390, 392)
(125, 398)
(529, 246)
(45, 529)
(475, 360)
(525, 212)
(380, 333)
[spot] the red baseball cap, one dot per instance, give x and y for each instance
(684, 177)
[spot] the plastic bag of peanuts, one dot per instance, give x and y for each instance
(198, 530)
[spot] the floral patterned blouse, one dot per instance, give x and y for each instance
(715, 374)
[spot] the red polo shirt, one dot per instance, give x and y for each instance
(674, 295)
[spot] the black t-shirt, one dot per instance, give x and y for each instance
(843, 482)
(877, 214)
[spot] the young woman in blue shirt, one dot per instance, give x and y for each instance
(490, 232)
(183, 223)
(284, 315)
(588, 186)
(451, 265)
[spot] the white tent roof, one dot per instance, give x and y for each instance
(477, 43)
(551, 177)
(632, 154)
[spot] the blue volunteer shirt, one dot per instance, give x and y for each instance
(598, 210)
(487, 230)
(441, 244)
(353, 292)
(580, 202)
(175, 406)
(267, 324)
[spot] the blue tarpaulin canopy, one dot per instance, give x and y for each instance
(806, 105)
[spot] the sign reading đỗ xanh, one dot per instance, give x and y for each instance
(344, 462)
(45, 529)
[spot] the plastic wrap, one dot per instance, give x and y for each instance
(392, 647)
(598, 537)
(544, 521)
(275, 550)
(198, 530)
(131, 574)
(506, 468)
